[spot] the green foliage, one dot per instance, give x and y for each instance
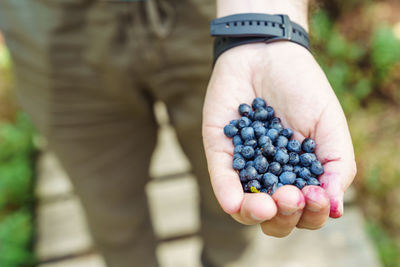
(15, 139)
(15, 239)
(5, 60)
(16, 197)
(340, 59)
(16, 181)
(321, 26)
(364, 73)
(353, 71)
(385, 51)
(387, 248)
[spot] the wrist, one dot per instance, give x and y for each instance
(297, 10)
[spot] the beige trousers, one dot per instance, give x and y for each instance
(89, 73)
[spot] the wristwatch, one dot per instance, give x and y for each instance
(246, 28)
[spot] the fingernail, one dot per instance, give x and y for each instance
(287, 212)
(287, 209)
(336, 209)
(254, 217)
(313, 206)
(315, 198)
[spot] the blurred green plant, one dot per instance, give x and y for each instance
(355, 69)
(16, 192)
(364, 71)
(388, 250)
(15, 239)
(385, 51)
(5, 59)
(340, 60)
(16, 176)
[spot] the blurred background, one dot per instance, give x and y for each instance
(357, 44)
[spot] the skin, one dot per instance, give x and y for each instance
(287, 76)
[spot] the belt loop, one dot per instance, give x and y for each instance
(161, 28)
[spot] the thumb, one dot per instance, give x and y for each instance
(335, 151)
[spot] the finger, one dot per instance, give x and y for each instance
(290, 202)
(218, 148)
(316, 211)
(256, 208)
(224, 180)
(335, 151)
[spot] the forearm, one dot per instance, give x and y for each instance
(296, 9)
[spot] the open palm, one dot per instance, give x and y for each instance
(289, 79)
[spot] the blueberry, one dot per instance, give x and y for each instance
(264, 140)
(254, 184)
(261, 164)
(275, 120)
(244, 109)
(233, 122)
(246, 188)
(281, 156)
(304, 173)
(269, 151)
(251, 142)
(257, 152)
(237, 155)
(237, 140)
(287, 177)
(248, 152)
(266, 124)
(273, 134)
(258, 177)
(294, 158)
(282, 141)
(270, 111)
(276, 125)
(284, 149)
(238, 149)
(294, 146)
(243, 122)
(313, 156)
(256, 124)
(230, 130)
(243, 176)
(264, 190)
(238, 164)
(269, 179)
(317, 168)
(275, 168)
(313, 181)
(258, 103)
(247, 133)
(296, 169)
(275, 187)
(260, 131)
(251, 115)
(286, 133)
(306, 159)
(249, 163)
(300, 183)
(251, 173)
(261, 114)
(308, 145)
(287, 168)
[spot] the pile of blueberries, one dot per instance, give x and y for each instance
(264, 156)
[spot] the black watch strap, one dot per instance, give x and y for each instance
(239, 29)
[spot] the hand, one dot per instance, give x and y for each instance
(287, 76)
